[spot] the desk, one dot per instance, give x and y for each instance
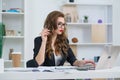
(108, 73)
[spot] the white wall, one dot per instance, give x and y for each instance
(36, 12)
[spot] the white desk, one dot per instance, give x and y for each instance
(108, 73)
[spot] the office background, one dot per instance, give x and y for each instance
(35, 12)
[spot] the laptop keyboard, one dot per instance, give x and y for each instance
(86, 67)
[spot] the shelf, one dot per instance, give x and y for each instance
(95, 33)
(13, 37)
(11, 60)
(89, 24)
(91, 44)
(14, 13)
(88, 4)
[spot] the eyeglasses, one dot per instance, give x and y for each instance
(61, 25)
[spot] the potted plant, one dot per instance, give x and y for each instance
(19, 33)
(85, 19)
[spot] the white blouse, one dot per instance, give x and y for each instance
(58, 59)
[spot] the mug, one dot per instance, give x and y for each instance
(96, 59)
(71, 0)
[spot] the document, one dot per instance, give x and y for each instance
(60, 68)
(48, 69)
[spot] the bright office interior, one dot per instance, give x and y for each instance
(32, 20)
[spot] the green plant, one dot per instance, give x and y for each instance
(86, 17)
(2, 33)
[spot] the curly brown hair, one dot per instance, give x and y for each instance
(61, 43)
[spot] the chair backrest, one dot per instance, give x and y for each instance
(31, 63)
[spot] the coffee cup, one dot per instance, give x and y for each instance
(16, 59)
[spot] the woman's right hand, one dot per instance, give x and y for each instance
(45, 32)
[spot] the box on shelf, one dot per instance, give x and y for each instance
(98, 33)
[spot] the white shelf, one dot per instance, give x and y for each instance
(96, 10)
(88, 4)
(12, 13)
(13, 37)
(11, 60)
(89, 24)
(14, 21)
(91, 44)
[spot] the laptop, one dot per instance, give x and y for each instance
(108, 58)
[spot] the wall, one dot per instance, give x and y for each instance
(36, 12)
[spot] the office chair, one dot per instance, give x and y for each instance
(31, 63)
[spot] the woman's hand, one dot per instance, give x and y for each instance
(84, 62)
(45, 32)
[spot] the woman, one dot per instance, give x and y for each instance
(52, 47)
